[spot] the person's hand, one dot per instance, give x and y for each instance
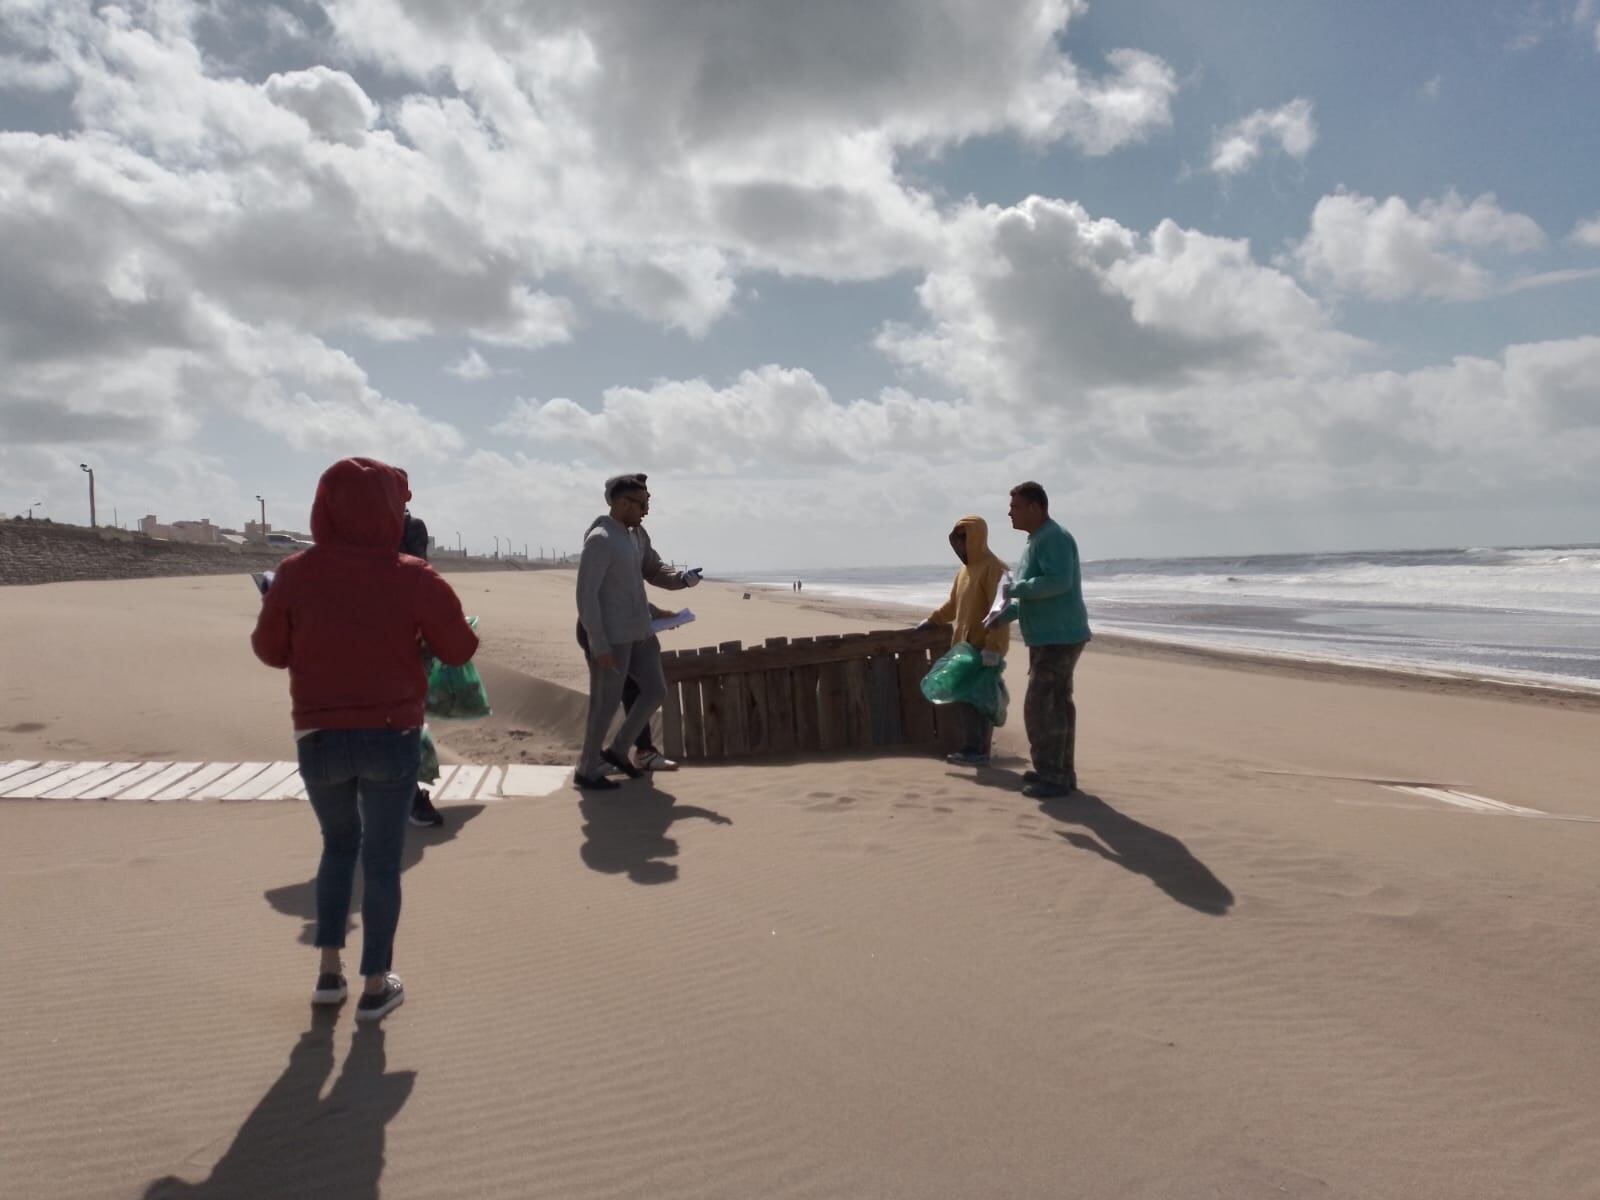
(991, 658)
(691, 577)
(606, 662)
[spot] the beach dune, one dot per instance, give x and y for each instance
(1257, 957)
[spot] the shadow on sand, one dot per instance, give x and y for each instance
(625, 832)
(1132, 845)
(300, 899)
(296, 1142)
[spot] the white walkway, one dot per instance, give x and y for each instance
(159, 781)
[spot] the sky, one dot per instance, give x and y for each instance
(1241, 277)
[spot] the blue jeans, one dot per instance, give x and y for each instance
(360, 783)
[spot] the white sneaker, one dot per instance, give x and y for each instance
(651, 760)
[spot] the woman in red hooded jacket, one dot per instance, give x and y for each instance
(346, 617)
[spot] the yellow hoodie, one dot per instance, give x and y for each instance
(973, 592)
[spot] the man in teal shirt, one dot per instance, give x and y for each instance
(1046, 598)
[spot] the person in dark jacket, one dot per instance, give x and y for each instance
(414, 541)
(346, 618)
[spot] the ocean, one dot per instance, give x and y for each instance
(1525, 614)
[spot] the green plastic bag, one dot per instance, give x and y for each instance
(428, 772)
(456, 692)
(961, 678)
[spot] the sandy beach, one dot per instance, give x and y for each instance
(1240, 964)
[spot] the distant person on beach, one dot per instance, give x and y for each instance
(615, 619)
(1046, 599)
(971, 597)
(414, 541)
(644, 754)
(345, 617)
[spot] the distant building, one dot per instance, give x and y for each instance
(201, 532)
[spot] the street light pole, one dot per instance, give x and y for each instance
(88, 468)
(34, 505)
(459, 549)
(496, 544)
(263, 504)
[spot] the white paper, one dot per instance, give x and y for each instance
(1000, 600)
(662, 624)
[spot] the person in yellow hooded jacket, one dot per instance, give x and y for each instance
(971, 596)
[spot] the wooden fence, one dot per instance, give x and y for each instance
(855, 692)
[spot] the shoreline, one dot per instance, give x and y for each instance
(1261, 662)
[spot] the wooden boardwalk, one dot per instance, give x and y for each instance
(231, 781)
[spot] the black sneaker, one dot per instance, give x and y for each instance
(621, 763)
(331, 989)
(967, 758)
(1048, 791)
(423, 812)
(376, 1006)
(594, 783)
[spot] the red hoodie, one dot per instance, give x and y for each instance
(345, 615)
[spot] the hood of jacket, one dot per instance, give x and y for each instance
(977, 531)
(361, 504)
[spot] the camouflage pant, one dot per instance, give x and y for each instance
(1050, 715)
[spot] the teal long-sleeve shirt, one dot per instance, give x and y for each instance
(1047, 592)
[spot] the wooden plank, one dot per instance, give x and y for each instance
(490, 788)
(780, 711)
(757, 709)
(884, 690)
(241, 774)
(832, 719)
(948, 726)
(192, 783)
(672, 722)
(858, 704)
(463, 784)
(57, 779)
(16, 767)
(735, 716)
(41, 771)
(270, 780)
(805, 651)
(528, 779)
(92, 781)
(804, 683)
(160, 781)
(694, 728)
(712, 704)
(916, 714)
(115, 787)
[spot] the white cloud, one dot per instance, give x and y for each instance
(1587, 233)
(1236, 147)
(529, 159)
(1386, 250)
(773, 417)
(1041, 305)
(1586, 16)
(471, 367)
(1433, 87)
(331, 103)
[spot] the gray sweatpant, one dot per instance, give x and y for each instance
(641, 660)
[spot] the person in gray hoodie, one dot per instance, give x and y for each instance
(616, 621)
